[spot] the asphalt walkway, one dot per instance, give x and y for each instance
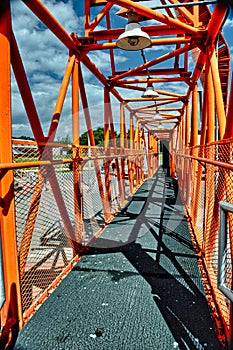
(138, 287)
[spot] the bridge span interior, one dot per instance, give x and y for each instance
(124, 242)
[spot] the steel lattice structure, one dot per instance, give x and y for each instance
(197, 56)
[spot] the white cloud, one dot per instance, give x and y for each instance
(65, 14)
(45, 60)
(229, 23)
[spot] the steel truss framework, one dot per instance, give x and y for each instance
(194, 33)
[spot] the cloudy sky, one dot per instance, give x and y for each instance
(45, 59)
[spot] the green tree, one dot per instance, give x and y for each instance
(98, 135)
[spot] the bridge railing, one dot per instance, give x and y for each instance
(206, 181)
(64, 196)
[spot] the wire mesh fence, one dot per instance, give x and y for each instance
(211, 171)
(64, 196)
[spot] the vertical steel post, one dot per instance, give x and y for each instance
(229, 120)
(12, 306)
(210, 104)
(131, 167)
(187, 124)
(113, 136)
(218, 93)
(149, 153)
(136, 141)
(122, 146)
(61, 99)
(78, 204)
(183, 123)
(106, 144)
(106, 208)
(194, 120)
(87, 4)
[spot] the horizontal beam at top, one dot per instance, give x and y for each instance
(152, 14)
(159, 71)
(154, 42)
(157, 30)
(152, 80)
(135, 99)
(145, 107)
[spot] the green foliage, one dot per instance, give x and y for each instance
(24, 138)
(98, 135)
(84, 139)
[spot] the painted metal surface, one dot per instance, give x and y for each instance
(81, 183)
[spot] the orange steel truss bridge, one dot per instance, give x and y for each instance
(50, 189)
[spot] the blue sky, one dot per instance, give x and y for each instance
(45, 59)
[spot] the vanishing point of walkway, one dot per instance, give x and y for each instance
(138, 287)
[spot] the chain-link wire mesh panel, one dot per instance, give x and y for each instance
(64, 196)
(25, 151)
(92, 202)
(44, 248)
(212, 181)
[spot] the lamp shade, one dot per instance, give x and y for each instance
(157, 114)
(133, 38)
(150, 92)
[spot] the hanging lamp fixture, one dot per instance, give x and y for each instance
(157, 114)
(149, 92)
(134, 38)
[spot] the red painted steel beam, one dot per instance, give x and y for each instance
(105, 204)
(152, 14)
(106, 145)
(229, 120)
(158, 71)
(113, 136)
(194, 119)
(217, 19)
(214, 27)
(154, 42)
(78, 198)
(11, 308)
(111, 53)
(152, 62)
(75, 104)
(87, 20)
(61, 99)
(184, 12)
(145, 80)
(210, 104)
(92, 67)
(218, 93)
(156, 30)
(99, 17)
(135, 99)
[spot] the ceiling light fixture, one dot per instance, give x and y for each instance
(149, 92)
(157, 114)
(134, 38)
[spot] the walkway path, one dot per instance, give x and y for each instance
(139, 287)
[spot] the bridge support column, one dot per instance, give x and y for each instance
(11, 314)
(78, 205)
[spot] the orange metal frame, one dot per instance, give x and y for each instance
(193, 32)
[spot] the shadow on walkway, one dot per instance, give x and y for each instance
(171, 268)
(137, 288)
